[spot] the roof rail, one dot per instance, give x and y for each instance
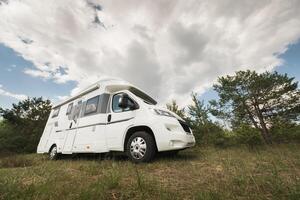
(77, 96)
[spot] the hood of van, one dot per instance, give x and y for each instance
(158, 108)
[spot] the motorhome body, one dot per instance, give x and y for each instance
(113, 115)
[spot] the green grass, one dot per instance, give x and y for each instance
(198, 173)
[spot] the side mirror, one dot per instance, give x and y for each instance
(124, 101)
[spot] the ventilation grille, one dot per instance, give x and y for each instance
(185, 127)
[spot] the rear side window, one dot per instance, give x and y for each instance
(55, 112)
(91, 105)
(69, 110)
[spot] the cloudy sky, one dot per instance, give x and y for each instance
(168, 48)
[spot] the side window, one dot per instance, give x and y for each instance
(77, 111)
(69, 110)
(91, 105)
(115, 103)
(55, 112)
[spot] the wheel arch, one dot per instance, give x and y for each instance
(51, 147)
(134, 129)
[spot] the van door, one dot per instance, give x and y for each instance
(90, 136)
(71, 131)
(118, 120)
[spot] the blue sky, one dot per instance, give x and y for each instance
(167, 48)
(13, 79)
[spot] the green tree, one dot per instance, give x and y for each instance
(27, 119)
(173, 106)
(205, 130)
(257, 99)
(198, 111)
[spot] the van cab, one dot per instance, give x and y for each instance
(113, 115)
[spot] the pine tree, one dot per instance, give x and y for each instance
(257, 99)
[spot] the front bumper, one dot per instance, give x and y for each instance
(170, 135)
(181, 143)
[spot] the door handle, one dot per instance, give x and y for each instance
(109, 118)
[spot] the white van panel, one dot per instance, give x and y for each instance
(69, 141)
(105, 130)
(42, 147)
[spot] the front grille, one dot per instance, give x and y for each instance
(185, 127)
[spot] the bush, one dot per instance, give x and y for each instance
(207, 133)
(226, 139)
(7, 141)
(285, 132)
(23, 125)
(17, 140)
(248, 135)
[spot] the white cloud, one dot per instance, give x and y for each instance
(38, 73)
(11, 68)
(61, 98)
(168, 48)
(4, 92)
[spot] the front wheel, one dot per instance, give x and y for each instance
(141, 147)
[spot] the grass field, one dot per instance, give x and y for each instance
(198, 173)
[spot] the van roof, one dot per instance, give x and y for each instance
(110, 84)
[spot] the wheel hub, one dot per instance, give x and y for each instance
(138, 148)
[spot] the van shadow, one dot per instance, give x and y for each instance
(177, 157)
(121, 157)
(94, 157)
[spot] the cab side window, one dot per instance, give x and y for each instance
(115, 103)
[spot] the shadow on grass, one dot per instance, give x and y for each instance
(116, 156)
(175, 157)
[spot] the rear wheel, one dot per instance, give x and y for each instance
(141, 147)
(53, 155)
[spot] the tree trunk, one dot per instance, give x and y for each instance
(266, 135)
(264, 130)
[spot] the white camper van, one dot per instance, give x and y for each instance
(113, 115)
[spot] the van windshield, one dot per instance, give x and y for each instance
(147, 99)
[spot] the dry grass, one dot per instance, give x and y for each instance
(198, 173)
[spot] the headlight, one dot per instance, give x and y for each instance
(161, 112)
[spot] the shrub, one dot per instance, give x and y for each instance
(248, 135)
(285, 132)
(23, 124)
(208, 133)
(226, 139)
(13, 139)
(6, 138)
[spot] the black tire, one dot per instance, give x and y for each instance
(53, 155)
(150, 147)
